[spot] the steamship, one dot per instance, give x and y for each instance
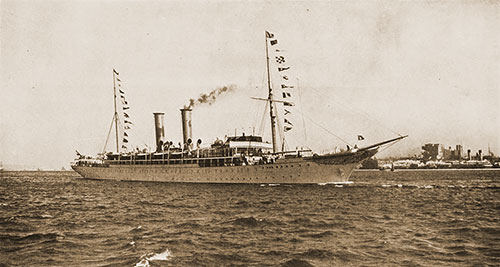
(235, 159)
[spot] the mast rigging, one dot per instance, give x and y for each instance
(116, 112)
(270, 99)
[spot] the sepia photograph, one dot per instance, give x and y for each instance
(249, 133)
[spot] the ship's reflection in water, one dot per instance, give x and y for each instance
(383, 218)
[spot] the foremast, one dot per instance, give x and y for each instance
(118, 91)
(116, 112)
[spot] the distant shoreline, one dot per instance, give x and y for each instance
(448, 169)
(37, 170)
(356, 170)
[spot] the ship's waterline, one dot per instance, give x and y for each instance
(293, 172)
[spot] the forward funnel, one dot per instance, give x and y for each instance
(159, 130)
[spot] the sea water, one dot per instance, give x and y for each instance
(427, 218)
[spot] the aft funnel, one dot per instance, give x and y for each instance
(187, 132)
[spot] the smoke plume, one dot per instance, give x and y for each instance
(210, 97)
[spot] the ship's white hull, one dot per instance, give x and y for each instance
(287, 172)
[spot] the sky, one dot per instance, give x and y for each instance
(429, 69)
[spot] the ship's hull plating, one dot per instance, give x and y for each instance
(286, 172)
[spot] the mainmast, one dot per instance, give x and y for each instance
(270, 98)
(116, 113)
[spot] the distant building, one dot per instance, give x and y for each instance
(459, 152)
(439, 152)
(431, 152)
(450, 154)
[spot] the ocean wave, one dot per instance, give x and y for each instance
(16, 225)
(31, 237)
(318, 235)
(317, 254)
(146, 258)
(242, 203)
(136, 229)
(232, 258)
(274, 253)
(146, 202)
(296, 263)
(247, 221)
(302, 221)
(494, 231)
(188, 225)
(73, 244)
(129, 245)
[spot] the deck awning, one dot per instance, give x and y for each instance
(248, 144)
